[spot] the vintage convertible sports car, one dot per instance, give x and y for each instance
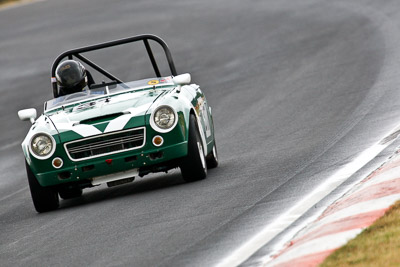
(117, 130)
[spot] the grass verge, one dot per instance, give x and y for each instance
(377, 245)
(4, 3)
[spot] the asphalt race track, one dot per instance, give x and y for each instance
(298, 89)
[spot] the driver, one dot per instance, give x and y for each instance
(72, 77)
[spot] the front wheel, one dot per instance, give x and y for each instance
(194, 166)
(44, 198)
(68, 193)
(212, 158)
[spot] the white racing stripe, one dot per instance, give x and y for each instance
(118, 123)
(86, 130)
(271, 230)
(83, 130)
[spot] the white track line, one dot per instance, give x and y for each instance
(270, 231)
(14, 193)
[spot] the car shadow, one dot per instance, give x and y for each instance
(140, 185)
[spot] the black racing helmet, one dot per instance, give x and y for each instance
(71, 76)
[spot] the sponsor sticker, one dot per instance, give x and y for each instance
(153, 82)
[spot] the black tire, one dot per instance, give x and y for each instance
(194, 166)
(212, 158)
(68, 193)
(44, 198)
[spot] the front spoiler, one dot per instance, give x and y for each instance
(85, 171)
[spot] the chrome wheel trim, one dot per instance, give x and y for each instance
(203, 160)
(214, 151)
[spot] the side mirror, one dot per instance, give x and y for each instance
(182, 79)
(27, 114)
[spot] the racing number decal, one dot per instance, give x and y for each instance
(201, 109)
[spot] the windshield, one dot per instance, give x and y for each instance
(99, 90)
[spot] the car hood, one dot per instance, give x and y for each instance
(108, 114)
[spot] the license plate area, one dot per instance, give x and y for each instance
(120, 182)
(124, 177)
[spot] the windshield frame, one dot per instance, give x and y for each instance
(106, 91)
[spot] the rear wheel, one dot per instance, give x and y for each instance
(44, 198)
(68, 193)
(194, 166)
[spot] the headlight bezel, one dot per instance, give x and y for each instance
(53, 144)
(157, 128)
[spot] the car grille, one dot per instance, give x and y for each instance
(106, 144)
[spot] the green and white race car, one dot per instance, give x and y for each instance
(115, 131)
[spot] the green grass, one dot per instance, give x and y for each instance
(378, 245)
(5, 2)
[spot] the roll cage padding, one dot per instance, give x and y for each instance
(77, 53)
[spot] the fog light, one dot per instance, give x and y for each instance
(57, 163)
(158, 140)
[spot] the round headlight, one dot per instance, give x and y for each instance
(42, 146)
(164, 119)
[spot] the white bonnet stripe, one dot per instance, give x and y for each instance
(86, 130)
(118, 123)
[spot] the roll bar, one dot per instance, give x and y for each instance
(78, 51)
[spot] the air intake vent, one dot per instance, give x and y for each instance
(101, 118)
